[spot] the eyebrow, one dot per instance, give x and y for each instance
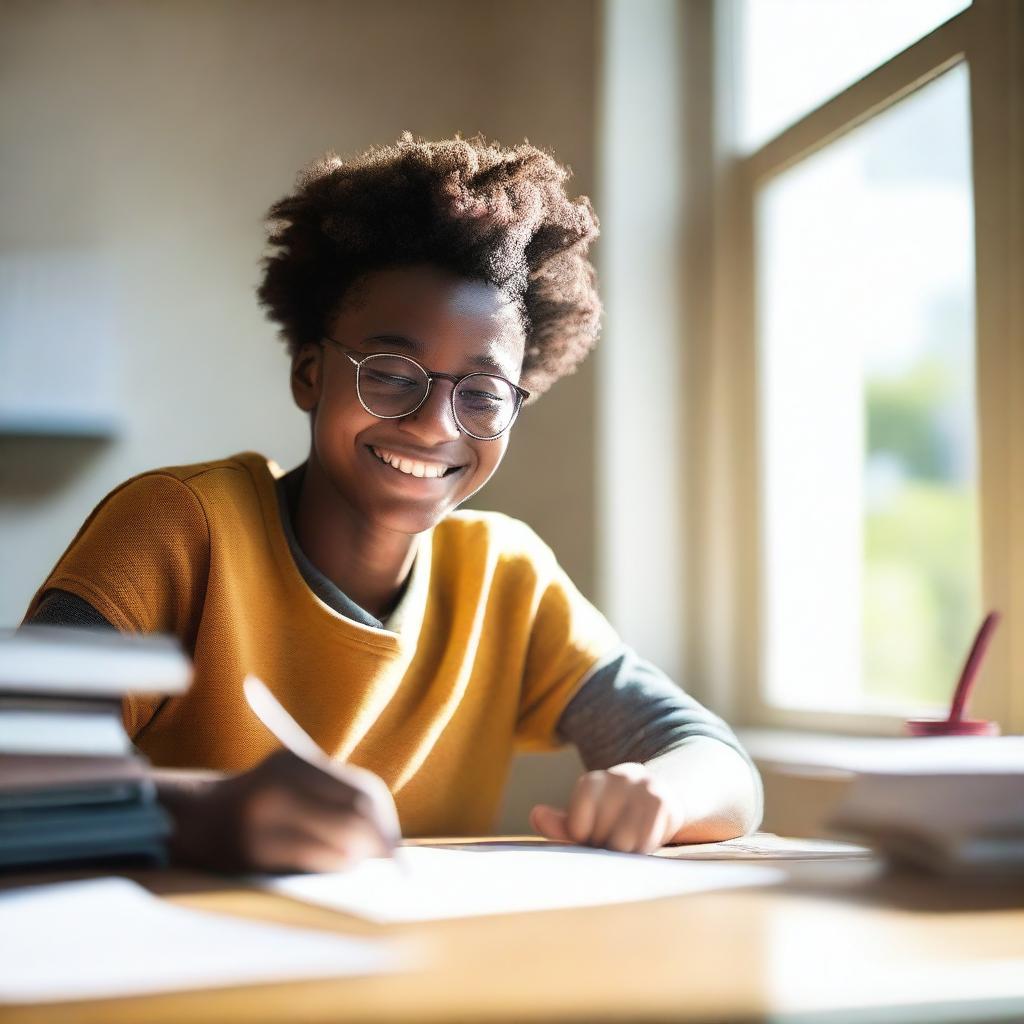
(401, 341)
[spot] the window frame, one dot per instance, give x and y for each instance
(724, 581)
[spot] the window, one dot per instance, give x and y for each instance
(865, 361)
(794, 55)
(865, 284)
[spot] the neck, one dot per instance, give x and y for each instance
(368, 563)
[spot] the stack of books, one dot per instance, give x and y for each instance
(72, 789)
(948, 805)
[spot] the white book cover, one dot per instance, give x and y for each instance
(956, 805)
(92, 733)
(66, 660)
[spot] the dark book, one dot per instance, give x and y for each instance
(73, 791)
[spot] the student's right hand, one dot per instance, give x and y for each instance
(283, 815)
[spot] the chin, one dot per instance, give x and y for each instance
(410, 520)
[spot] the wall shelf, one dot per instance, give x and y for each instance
(88, 426)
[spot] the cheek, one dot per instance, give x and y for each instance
(339, 419)
(489, 455)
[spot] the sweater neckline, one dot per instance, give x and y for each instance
(326, 589)
(408, 614)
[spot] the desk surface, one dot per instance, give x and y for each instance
(839, 941)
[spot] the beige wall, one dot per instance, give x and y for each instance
(149, 138)
(155, 135)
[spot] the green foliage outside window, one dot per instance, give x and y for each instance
(921, 600)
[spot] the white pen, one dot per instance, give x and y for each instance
(269, 710)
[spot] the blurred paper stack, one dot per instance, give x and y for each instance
(950, 805)
(72, 789)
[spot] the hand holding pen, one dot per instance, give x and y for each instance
(297, 810)
(318, 814)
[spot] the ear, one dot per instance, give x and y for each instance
(307, 376)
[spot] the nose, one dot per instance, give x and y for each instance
(434, 422)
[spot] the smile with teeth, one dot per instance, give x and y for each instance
(412, 467)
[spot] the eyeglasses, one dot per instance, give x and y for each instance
(389, 386)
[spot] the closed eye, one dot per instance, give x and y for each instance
(391, 380)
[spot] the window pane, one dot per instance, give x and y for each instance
(866, 346)
(793, 55)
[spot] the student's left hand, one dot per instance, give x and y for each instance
(626, 808)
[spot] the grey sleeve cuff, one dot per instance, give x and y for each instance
(629, 710)
(62, 608)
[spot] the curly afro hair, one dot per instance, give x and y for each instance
(470, 206)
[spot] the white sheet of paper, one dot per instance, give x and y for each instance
(438, 882)
(110, 937)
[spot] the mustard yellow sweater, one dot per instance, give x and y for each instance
(490, 642)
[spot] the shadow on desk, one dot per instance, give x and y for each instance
(878, 884)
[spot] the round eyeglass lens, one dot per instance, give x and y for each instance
(390, 386)
(485, 405)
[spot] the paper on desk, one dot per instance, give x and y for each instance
(767, 846)
(439, 882)
(109, 937)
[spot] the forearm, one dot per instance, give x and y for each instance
(716, 790)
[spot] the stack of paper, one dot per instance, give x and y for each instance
(109, 937)
(951, 805)
(71, 789)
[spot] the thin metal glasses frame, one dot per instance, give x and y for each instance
(521, 393)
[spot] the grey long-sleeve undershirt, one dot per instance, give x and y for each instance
(627, 710)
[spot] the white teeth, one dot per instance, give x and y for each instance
(431, 470)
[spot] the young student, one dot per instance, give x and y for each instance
(425, 292)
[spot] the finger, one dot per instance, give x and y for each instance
(609, 810)
(342, 786)
(635, 823)
(658, 834)
(316, 780)
(291, 848)
(380, 806)
(346, 830)
(550, 822)
(370, 796)
(582, 807)
(343, 829)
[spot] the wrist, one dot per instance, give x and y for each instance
(713, 787)
(201, 826)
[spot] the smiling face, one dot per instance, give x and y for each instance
(447, 324)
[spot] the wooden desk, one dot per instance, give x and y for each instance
(839, 941)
